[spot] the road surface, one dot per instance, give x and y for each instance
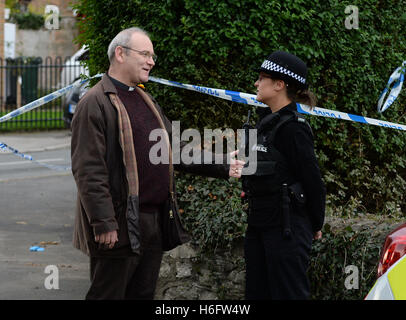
(37, 209)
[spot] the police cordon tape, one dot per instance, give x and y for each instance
(41, 101)
(5, 147)
(249, 99)
(234, 96)
(397, 78)
(33, 105)
(229, 95)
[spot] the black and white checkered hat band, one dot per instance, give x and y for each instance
(271, 66)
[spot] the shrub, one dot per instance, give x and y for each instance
(212, 210)
(338, 249)
(213, 215)
(27, 20)
(217, 43)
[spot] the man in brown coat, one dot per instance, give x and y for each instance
(121, 194)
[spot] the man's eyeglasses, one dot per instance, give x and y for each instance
(145, 54)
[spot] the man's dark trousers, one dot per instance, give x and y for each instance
(132, 277)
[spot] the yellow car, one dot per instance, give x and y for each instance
(391, 283)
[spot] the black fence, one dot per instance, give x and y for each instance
(23, 80)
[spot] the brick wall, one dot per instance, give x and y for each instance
(2, 2)
(49, 43)
(38, 6)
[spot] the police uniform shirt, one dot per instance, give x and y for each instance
(295, 141)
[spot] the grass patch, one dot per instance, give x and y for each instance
(34, 120)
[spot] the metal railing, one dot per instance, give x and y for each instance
(23, 80)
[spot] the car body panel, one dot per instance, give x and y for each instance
(73, 68)
(397, 279)
(392, 284)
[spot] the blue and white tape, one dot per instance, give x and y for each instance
(397, 78)
(250, 100)
(229, 95)
(33, 105)
(41, 101)
(348, 116)
(245, 98)
(5, 147)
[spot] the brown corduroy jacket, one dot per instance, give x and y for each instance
(103, 202)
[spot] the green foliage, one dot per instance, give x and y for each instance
(337, 250)
(218, 43)
(212, 213)
(24, 16)
(212, 210)
(39, 119)
(28, 20)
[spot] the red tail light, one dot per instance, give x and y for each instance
(393, 249)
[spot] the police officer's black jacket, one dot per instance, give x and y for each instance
(294, 141)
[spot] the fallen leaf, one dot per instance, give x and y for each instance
(44, 243)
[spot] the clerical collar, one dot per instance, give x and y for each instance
(121, 85)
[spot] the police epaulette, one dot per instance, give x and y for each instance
(302, 119)
(294, 116)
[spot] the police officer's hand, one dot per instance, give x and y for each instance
(107, 239)
(235, 165)
(317, 235)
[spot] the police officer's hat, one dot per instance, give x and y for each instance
(287, 67)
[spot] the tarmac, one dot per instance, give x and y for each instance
(40, 212)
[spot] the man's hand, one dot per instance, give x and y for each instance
(235, 165)
(107, 239)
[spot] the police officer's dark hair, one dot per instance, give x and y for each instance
(304, 96)
(296, 94)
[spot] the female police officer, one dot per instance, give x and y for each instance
(286, 195)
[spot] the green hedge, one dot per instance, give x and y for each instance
(217, 43)
(212, 213)
(212, 210)
(339, 248)
(25, 19)
(28, 20)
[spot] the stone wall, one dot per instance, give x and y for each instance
(186, 275)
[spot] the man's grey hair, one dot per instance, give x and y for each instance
(122, 39)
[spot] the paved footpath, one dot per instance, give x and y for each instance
(38, 210)
(37, 141)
